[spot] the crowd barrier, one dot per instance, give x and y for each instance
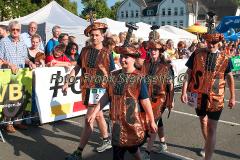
(52, 104)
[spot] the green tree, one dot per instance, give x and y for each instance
(99, 6)
(114, 9)
(10, 9)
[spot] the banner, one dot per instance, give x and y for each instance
(179, 69)
(15, 94)
(227, 23)
(236, 63)
(52, 104)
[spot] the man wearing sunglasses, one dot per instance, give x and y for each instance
(204, 87)
(14, 55)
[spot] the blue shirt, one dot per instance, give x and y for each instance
(50, 46)
(27, 40)
(15, 53)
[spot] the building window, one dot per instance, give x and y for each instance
(175, 23)
(126, 14)
(169, 11)
(136, 14)
(122, 14)
(163, 23)
(175, 11)
(149, 22)
(181, 11)
(132, 14)
(150, 12)
(154, 23)
(181, 23)
(129, 4)
(163, 12)
(172, 1)
(169, 23)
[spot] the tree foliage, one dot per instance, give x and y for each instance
(10, 9)
(101, 8)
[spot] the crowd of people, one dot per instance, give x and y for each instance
(146, 75)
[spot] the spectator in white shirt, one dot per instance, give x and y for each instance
(26, 36)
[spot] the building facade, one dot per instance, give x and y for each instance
(178, 13)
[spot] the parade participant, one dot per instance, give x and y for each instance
(130, 105)
(159, 78)
(204, 86)
(56, 31)
(3, 31)
(94, 60)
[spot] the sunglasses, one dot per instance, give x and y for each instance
(124, 56)
(15, 29)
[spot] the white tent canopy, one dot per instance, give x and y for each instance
(182, 34)
(114, 27)
(54, 14)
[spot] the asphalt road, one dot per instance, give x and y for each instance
(182, 129)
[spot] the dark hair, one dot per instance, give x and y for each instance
(61, 36)
(61, 47)
(69, 47)
(4, 27)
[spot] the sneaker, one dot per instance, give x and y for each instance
(145, 155)
(202, 153)
(162, 148)
(106, 144)
(76, 155)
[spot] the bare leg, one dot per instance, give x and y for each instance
(87, 131)
(161, 134)
(203, 122)
(151, 141)
(211, 138)
(102, 125)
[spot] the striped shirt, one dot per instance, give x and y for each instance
(15, 53)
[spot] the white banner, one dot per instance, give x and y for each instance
(52, 104)
(179, 71)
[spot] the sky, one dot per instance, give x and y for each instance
(80, 6)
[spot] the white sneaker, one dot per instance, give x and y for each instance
(161, 148)
(106, 144)
(145, 155)
(202, 153)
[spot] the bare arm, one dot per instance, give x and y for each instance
(187, 78)
(230, 81)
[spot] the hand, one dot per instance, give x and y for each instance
(184, 98)
(153, 127)
(231, 103)
(32, 65)
(91, 118)
(64, 89)
(13, 68)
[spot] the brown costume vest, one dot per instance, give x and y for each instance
(157, 77)
(95, 68)
(209, 79)
(129, 120)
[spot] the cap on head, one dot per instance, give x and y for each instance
(95, 26)
(129, 51)
(213, 38)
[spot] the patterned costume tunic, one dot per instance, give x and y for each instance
(128, 117)
(158, 78)
(208, 78)
(95, 68)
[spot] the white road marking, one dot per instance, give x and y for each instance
(193, 115)
(175, 155)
